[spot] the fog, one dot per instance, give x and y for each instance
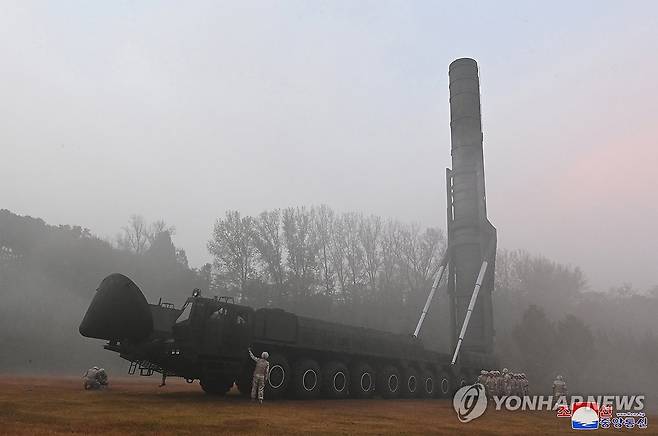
(183, 112)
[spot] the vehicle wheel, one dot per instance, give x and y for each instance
(279, 376)
(388, 384)
(216, 386)
(427, 385)
(335, 380)
(410, 382)
(307, 379)
(444, 386)
(362, 381)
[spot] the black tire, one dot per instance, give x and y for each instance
(410, 383)
(217, 387)
(388, 384)
(427, 385)
(279, 376)
(444, 387)
(362, 381)
(335, 380)
(306, 379)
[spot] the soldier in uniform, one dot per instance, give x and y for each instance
(507, 382)
(498, 389)
(482, 378)
(490, 384)
(90, 378)
(95, 378)
(101, 377)
(261, 372)
(559, 387)
(518, 391)
(524, 385)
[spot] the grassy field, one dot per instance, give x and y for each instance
(50, 405)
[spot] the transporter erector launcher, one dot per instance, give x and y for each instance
(207, 338)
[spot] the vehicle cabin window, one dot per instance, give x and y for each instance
(220, 313)
(241, 319)
(185, 314)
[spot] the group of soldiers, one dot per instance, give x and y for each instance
(95, 378)
(505, 383)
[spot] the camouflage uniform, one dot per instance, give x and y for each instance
(91, 381)
(507, 382)
(525, 385)
(517, 385)
(559, 387)
(261, 373)
(102, 377)
(483, 377)
(499, 388)
(490, 384)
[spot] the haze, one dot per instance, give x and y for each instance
(182, 111)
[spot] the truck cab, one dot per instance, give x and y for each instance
(212, 336)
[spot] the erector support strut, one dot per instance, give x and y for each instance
(471, 305)
(437, 280)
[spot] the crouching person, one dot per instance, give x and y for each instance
(95, 378)
(261, 372)
(91, 382)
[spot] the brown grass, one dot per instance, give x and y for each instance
(49, 405)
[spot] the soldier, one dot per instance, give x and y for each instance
(90, 378)
(497, 384)
(559, 387)
(483, 377)
(261, 373)
(525, 385)
(490, 384)
(517, 385)
(507, 382)
(101, 377)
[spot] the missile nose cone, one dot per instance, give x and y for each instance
(463, 62)
(119, 311)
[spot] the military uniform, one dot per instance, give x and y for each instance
(499, 388)
(261, 373)
(90, 378)
(507, 383)
(525, 385)
(560, 387)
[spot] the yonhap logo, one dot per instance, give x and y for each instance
(470, 402)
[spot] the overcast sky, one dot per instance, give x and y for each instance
(182, 110)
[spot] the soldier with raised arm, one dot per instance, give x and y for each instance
(261, 373)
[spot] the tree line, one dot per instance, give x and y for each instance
(318, 261)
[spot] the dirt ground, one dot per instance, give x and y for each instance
(59, 405)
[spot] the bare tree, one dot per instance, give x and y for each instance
(233, 249)
(420, 254)
(370, 234)
(302, 247)
(324, 227)
(135, 236)
(337, 249)
(157, 227)
(353, 254)
(268, 242)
